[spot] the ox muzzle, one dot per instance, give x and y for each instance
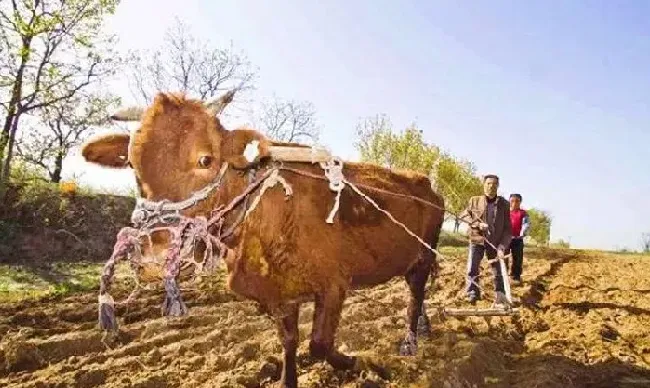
(162, 243)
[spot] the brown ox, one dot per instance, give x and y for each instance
(284, 253)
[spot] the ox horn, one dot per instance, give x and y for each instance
(133, 113)
(217, 105)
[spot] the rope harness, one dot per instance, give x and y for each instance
(186, 232)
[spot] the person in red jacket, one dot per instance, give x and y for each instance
(520, 225)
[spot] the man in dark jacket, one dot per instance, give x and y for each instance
(490, 233)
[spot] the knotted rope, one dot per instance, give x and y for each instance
(334, 173)
(185, 230)
(128, 246)
(271, 181)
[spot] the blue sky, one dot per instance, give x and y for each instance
(555, 100)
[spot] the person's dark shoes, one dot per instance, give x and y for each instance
(472, 299)
(516, 280)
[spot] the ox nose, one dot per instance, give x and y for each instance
(155, 250)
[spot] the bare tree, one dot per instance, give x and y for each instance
(645, 242)
(288, 121)
(188, 65)
(62, 127)
(50, 50)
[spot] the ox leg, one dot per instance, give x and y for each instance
(327, 314)
(418, 322)
(288, 329)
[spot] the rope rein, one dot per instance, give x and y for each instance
(334, 173)
(339, 175)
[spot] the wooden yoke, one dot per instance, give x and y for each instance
(299, 154)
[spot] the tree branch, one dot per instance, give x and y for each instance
(185, 64)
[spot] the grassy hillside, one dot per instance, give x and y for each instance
(55, 238)
(41, 224)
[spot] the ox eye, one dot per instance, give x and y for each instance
(205, 161)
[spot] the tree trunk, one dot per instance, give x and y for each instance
(9, 120)
(55, 175)
(4, 137)
(13, 112)
(6, 168)
(5, 140)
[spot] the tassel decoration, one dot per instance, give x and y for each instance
(173, 304)
(107, 319)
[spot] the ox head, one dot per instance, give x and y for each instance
(178, 148)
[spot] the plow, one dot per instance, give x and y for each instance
(507, 310)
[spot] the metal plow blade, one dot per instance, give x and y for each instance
(491, 312)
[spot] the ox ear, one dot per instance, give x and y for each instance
(109, 150)
(245, 148)
(217, 105)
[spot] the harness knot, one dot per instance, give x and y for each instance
(334, 173)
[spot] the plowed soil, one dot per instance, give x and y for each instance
(584, 322)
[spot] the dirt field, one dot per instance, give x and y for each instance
(585, 322)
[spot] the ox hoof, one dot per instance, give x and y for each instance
(409, 346)
(424, 326)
